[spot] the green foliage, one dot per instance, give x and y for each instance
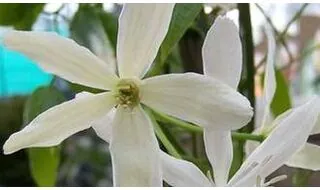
(88, 30)
(281, 101)
(183, 17)
(44, 162)
(110, 25)
(19, 15)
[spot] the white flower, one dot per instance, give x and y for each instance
(133, 145)
(307, 156)
(289, 135)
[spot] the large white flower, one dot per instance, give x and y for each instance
(289, 135)
(133, 145)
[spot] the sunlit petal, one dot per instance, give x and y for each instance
(103, 126)
(59, 122)
(269, 77)
(196, 98)
(221, 52)
(218, 145)
(142, 28)
(181, 173)
(63, 57)
(316, 129)
(307, 158)
(134, 149)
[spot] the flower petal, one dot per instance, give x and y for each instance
(134, 149)
(63, 57)
(306, 158)
(142, 28)
(221, 52)
(269, 77)
(316, 129)
(219, 149)
(181, 173)
(59, 122)
(103, 126)
(197, 98)
(286, 139)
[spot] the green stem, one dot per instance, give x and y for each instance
(163, 138)
(197, 129)
(248, 55)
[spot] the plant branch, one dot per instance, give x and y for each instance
(194, 128)
(163, 138)
(281, 36)
(248, 56)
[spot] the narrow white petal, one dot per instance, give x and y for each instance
(142, 28)
(269, 77)
(59, 122)
(307, 158)
(286, 139)
(197, 98)
(221, 52)
(219, 149)
(103, 126)
(134, 149)
(316, 129)
(181, 173)
(63, 57)
(265, 130)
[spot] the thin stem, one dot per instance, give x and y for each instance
(248, 55)
(281, 39)
(247, 136)
(294, 18)
(163, 138)
(197, 129)
(281, 36)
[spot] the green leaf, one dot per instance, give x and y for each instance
(44, 162)
(110, 25)
(183, 17)
(19, 15)
(281, 100)
(88, 30)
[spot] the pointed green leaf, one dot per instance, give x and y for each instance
(281, 100)
(110, 25)
(183, 17)
(44, 162)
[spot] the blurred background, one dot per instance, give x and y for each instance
(83, 159)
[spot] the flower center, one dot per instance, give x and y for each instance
(127, 93)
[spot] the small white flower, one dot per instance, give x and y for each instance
(133, 145)
(307, 156)
(290, 134)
